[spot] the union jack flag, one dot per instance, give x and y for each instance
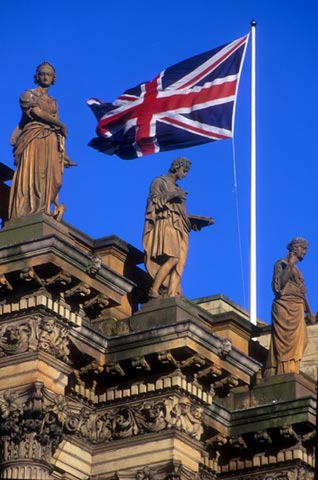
(190, 103)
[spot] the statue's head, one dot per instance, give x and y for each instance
(47, 324)
(38, 68)
(180, 162)
(297, 242)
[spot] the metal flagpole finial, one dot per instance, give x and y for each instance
(253, 23)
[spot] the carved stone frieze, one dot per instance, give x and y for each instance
(291, 473)
(151, 416)
(53, 339)
(187, 418)
(45, 420)
(15, 338)
(32, 334)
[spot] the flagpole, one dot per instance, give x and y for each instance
(253, 284)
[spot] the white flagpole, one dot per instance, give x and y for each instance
(253, 284)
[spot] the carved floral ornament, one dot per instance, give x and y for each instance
(49, 419)
(33, 334)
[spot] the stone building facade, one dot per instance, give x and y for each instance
(96, 383)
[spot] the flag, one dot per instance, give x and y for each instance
(190, 103)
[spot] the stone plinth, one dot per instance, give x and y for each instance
(229, 320)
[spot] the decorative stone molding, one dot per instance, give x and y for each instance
(81, 290)
(114, 369)
(99, 302)
(214, 371)
(195, 361)
(146, 473)
(288, 432)
(96, 306)
(43, 420)
(225, 385)
(94, 265)
(140, 363)
(238, 442)
(5, 286)
(173, 470)
(265, 466)
(263, 437)
(39, 300)
(147, 417)
(291, 473)
(33, 334)
(187, 418)
(86, 376)
(217, 441)
(62, 278)
(225, 347)
(166, 357)
(176, 380)
(29, 275)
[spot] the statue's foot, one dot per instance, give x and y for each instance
(153, 295)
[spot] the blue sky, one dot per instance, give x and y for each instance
(100, 49)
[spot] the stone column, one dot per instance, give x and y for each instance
(26, 469)
(31, 430)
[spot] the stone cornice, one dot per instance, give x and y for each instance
(121, 347)
(274, 415)
(12, 255)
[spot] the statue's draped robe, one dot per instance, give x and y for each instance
(39, 157)
(166, 232)
(289, 333)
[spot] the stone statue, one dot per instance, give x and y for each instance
(166, 231)
(39, 151)
(289, 332)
